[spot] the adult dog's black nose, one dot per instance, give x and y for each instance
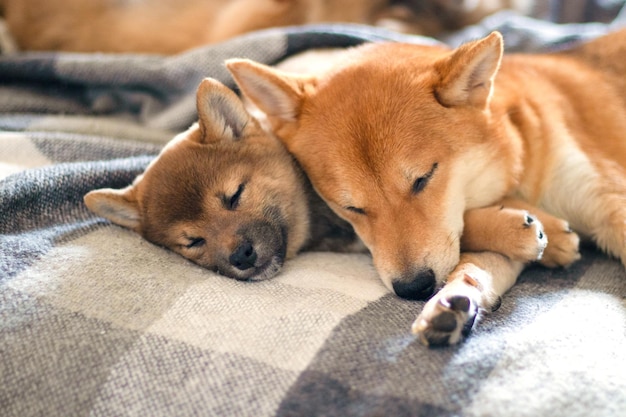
(419, 287)
(243, 257)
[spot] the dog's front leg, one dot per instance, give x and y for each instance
(513, 232)
(475, 285)
(522, 232)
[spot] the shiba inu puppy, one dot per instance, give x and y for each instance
(227, 196)
(171, 26)
(403, 141)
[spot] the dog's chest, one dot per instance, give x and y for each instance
(570, 188)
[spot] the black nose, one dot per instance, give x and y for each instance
(243, 257)
(420, 287)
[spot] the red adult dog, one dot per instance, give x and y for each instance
(404, 141)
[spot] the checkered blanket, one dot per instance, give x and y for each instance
(96, 321)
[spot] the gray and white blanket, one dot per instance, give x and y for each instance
(96, 321)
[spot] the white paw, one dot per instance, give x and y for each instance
(451, 313)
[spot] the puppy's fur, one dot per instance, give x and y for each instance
(403, 141)
(170, 26)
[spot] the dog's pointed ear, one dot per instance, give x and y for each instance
(221, 113)
(277, 94)
(118, 206)
(467, 74)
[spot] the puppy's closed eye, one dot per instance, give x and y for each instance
(195, 242)
(232, 202)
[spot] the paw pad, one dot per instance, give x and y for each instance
(450, 318)
(444, 322)
(459, 303)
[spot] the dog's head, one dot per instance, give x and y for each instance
(223, 194)
(397, 140)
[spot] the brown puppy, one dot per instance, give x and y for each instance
(170, 26)
(402, 140)
(227, 196)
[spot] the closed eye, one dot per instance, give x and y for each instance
(355, 209)
(422, 182)
(195, 242)
(232, 202)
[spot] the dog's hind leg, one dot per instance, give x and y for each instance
(608, 226)
(590, 193)
(475, 285)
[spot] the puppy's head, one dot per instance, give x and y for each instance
(223, 194)
(396, 139)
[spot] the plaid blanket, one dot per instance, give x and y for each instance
(96, 321)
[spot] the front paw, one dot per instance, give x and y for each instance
(512, 232)
(445, 320)
(563, 244)
(522, 235)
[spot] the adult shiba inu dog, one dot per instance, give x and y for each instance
(404, 141)
(228, 196)
(171, 26)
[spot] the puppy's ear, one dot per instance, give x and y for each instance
(221, 113)
(277, 94)
(466, 76)
(118, 206)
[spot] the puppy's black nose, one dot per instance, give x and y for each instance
(243, 257)
(420, 287)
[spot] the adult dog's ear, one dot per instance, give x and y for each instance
(276, 93)
(118, 206)
(221, 113)
(466, 76)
